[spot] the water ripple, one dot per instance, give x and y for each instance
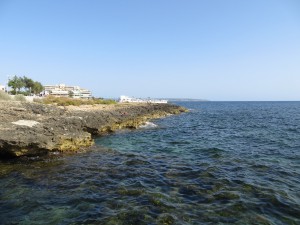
(222, 163)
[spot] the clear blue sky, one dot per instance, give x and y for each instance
(210, 49)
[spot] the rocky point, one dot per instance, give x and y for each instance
(29, 129)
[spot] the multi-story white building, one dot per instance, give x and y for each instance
(62, 90)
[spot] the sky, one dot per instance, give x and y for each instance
(203, 49)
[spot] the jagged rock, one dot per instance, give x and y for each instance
(28, 129)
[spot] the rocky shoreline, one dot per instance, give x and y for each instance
(30, 129)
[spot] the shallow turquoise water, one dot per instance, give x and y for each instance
(221, 163)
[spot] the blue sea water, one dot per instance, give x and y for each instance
(220, 163)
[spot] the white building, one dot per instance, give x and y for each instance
(62, 90)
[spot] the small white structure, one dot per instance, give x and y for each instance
(124, 98)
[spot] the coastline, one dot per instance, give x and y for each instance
(31, 129)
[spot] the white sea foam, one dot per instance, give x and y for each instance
(148, 125)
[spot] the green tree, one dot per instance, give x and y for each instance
(28, 84)
(12, 83)
(71, 94)
(37, 87)
(16, 83)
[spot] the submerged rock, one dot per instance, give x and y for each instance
(28, 129)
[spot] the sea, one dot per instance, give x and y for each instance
(219, 163)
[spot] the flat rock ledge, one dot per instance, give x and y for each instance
(31, 129)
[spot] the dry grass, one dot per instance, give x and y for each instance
(20, 98)
(4, 96)
(63, 101)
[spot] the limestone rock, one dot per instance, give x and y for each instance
(28, 129)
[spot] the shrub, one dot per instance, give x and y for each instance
(104, 101)
(20, 98)
(4, 96)
(64, 101)
(38, 100)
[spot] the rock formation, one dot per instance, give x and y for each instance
(28, 129)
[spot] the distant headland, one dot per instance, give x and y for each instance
(186, 100)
